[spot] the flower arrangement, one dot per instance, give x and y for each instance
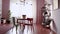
(8, 19)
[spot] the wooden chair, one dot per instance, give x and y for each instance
(30, 20)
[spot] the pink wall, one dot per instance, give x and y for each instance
(40, 4)
(5, 8)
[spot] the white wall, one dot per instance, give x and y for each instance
(49, 1)
(56, 17)
(55, 4)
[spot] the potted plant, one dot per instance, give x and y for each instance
(8, 19)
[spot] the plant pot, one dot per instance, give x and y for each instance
(1, 21)
(24, 16)
(8, 21)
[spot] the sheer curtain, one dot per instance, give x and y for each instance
(28, 8)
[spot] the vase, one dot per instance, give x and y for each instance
(24, 16)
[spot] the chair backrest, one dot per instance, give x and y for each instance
(13, 19)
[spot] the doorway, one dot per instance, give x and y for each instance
(27, 7)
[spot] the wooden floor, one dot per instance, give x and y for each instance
(24, 29)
